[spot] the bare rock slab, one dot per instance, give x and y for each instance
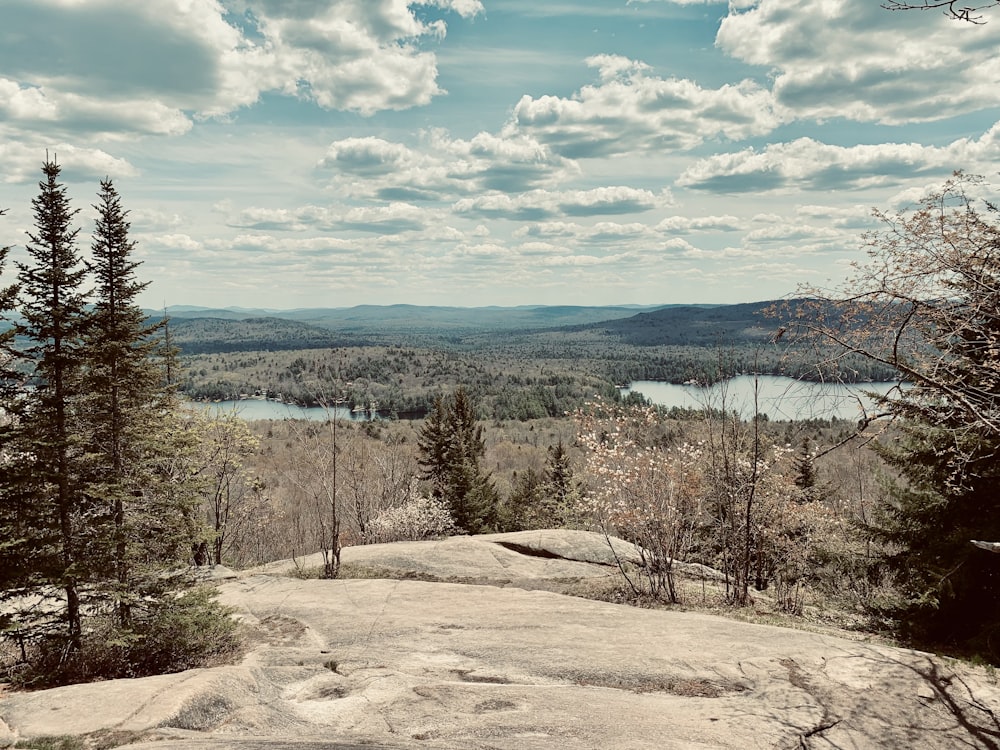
(410, 664)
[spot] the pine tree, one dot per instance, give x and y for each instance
(126, 408)
(452, 447)
(433, 442)
(13, 542)
(53, 309)
(558, 488)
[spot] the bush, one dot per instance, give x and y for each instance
(188, 631)
(417, 519)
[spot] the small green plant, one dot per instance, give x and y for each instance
(183, 632)
(55, 742)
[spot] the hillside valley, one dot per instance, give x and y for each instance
(520, 363)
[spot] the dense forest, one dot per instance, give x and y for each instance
(513, 372)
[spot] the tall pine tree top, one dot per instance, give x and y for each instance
(51, 284)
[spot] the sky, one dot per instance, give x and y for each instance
(329, 153)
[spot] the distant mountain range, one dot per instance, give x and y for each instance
(368, 318)
(203, 329)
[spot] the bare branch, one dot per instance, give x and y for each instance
(952, 8)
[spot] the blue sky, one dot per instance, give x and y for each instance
(305, 153)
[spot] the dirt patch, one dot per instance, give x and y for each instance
(202, 714)
(690, 687)
(465, 675)
(278, 630)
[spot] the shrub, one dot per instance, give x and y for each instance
(417, 519)
(187, 631)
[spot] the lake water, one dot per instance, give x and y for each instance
(778, 397)
(254, 408)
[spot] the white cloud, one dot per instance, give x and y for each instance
(852, 59)
(442, 167)
(688, 224)
(21, 162)
(150, 67)
(394, 218)
(368, 156)
(349, 54)
(541, 204)
(35, 107)
(632, 111)
(808, 164)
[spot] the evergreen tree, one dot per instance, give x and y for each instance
(521, 509)
(9, 377)
(559, 487)
(97, 491)
(125, 423)
(936, 319)
(452, 447)
(13, 542)
(53, 309)
(433, 442)
(805, 471)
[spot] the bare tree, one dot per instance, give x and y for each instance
(376, 476)
(951, 8)
(314, 479)
(927, 303)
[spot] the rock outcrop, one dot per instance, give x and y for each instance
(411, 663)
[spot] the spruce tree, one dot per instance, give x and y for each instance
(559, 487)
(433, 442)
(14, 548)
(126, 420)
(53, 309)
(452, 447)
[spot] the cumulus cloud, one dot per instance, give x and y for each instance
(689, 224)
(632, 110)
(394, 218)
(808, 164)
(151, 67)
(21, 162)
(368, 156)
(541, 204)
(441, 167)
(853, 59)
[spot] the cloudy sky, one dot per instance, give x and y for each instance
(302, 153)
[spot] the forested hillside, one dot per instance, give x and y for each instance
(514, 373)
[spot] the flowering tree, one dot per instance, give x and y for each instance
(927, 303)
(648, 494)
(730, 498)
(416, 519)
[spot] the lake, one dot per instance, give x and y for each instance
(779, 398)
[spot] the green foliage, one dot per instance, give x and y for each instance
(52, 503)
(178, 632)
(541, 500)
(948, 593)
(96, 490)
(451, 450)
